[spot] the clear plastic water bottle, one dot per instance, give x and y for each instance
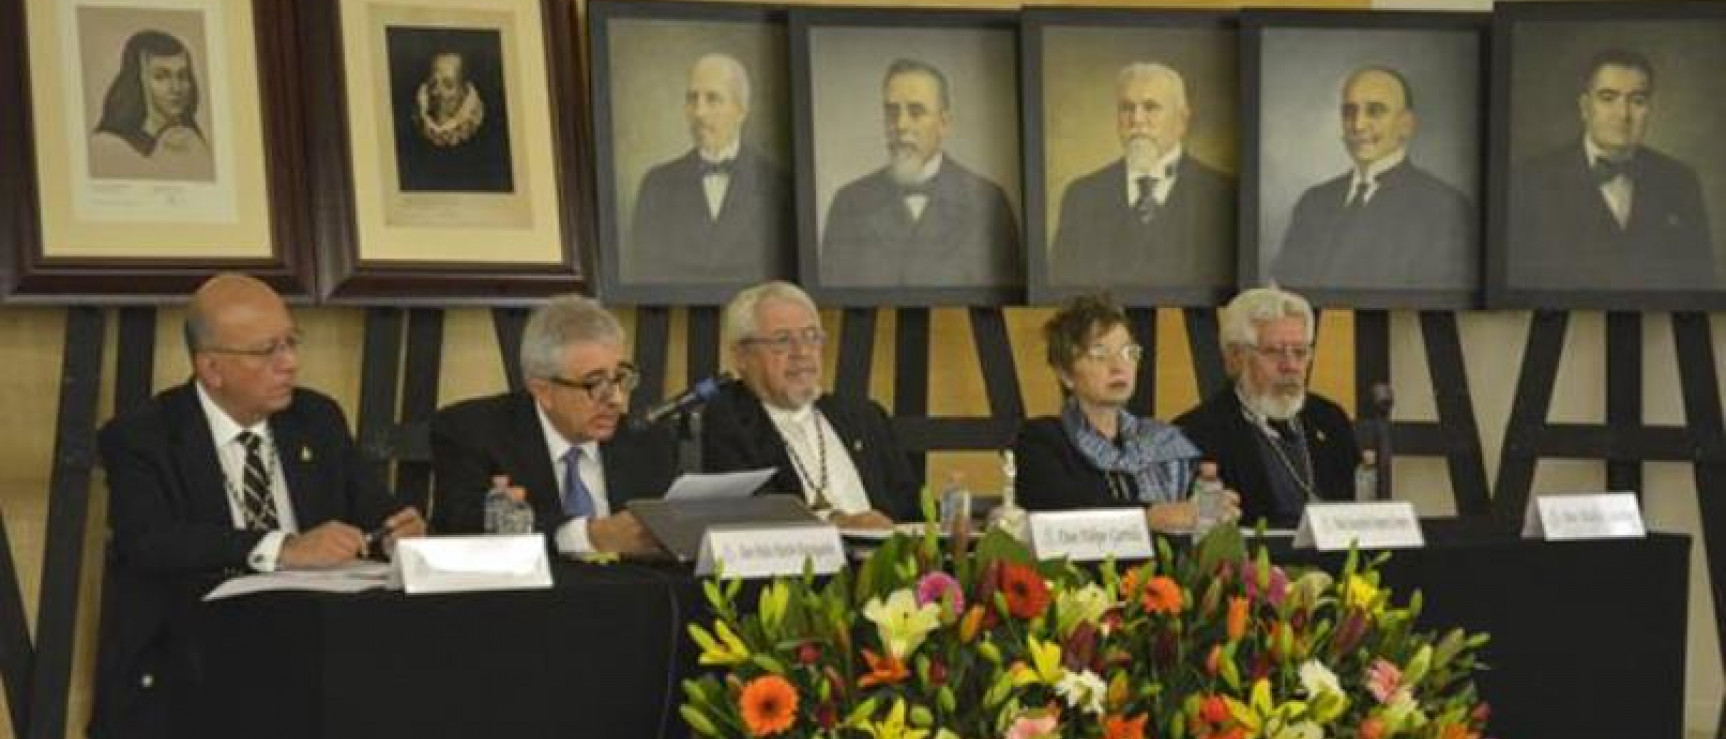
(518, 515)
(496, 503)
(1208, 500)
(955, 504)
(1366, 476)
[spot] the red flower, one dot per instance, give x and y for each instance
(883, 670)
(1121, 727)
(1162, 595)
(1027, 594)
(768, 705)
(1371, 728)
(1213, 709)
(808, 653)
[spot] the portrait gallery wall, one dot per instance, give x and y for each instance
(1547, 155)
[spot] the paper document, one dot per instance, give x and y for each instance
(349, 578)
(721, 486)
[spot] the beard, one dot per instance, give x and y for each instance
(904, 165)
(1142, 154)
(1280, 402)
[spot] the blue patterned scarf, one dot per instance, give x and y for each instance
(1158, 456)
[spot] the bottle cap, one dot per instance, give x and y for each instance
(1368, 456)
(499, 481)
(517, 493)
(1207, 469)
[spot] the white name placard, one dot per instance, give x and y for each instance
(1089, 535)
(770, 550)
(1382, 524)
(452, 564)
(1586, 516)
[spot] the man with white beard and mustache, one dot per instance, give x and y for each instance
(1278, 444)
(838, 452)
(924, 219)
(1156, 216)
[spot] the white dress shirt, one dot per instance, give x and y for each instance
(714, 185)
(572, 536)
(1162, 175)
(1619, 191)
(916, 203)
(224, 432)
(805, 430)
(1370, 176)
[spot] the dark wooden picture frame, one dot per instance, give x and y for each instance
(1083, 234)
(839, 61)
(1555, 239)
(659, 243)
(347, 276)
(1411, 240)
(34, 274)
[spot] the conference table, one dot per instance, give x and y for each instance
(1588, 640)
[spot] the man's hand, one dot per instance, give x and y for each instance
(620, 534)
(870, 519)
(403, 524)
(329, 544)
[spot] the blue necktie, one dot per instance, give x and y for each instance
(577, 501)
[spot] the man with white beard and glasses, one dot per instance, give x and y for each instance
(1278, 444)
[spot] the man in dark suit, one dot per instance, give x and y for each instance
(1156, 216)
(1607, 211)
(1385, 223)
(839, 452)
(562, 438)
(1278, 444)
(236, 471)
(923, 220)
(721, 212)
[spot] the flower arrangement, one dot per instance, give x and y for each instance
(921, 642)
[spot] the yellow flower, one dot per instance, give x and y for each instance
(727, 650)
(1359, 592)
(1074, 606)
(1261, 716)
(1045, 664)
(902, 623)
(893, 727)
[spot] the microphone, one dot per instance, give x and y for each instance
(696, 396)
(1382, 399)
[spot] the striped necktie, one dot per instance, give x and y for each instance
(257, 505)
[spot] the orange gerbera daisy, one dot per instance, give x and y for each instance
(1237, 618)
(1162, 595)
(769, 705)
(883, 670)
(1027, 594)
(1121, 727)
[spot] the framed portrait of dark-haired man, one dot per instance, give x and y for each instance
(908, 160)
(161, 148)
(447, 166)
(692, 119)
(1130, 154)
(1362, 173)
(1607, 177)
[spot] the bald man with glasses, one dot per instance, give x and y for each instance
(838, 452)
(562, 438)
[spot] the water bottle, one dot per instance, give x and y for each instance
(1366, 476)
(1208, 500)
(955, 504)
(496, 503)
(517, 515)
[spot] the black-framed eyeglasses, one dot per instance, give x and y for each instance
(599, 387)
(781, 342)
(1291, 352)
(1103, 352)
(276, 348)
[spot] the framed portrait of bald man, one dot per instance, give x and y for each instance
(691, 121)
(907, 140)
(446, 163)
(146, 146)
(1362, 179)
(1608, 180)
(1130, 154)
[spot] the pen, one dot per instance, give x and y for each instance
(375, 536)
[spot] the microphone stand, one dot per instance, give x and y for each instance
(1382, 400)
(689, 433)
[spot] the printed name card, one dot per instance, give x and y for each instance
(1084, 536)
(770, 550)
(1383, 524)
(454, 564)
(1590, 516)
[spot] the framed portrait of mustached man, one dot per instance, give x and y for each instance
(447, 157)
(150, 145)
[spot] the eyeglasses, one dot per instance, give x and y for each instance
(1103, 352)
(783, 341)
(1291, 352)
(600, 388)
(281, 347)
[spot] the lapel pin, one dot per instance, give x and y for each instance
(305, 454)
(857, 446)
(1320, 436)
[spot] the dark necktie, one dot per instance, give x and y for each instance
(1146, 206)
(577, 501)
(258, 507)
(1606, 170)
(1357, 198)
(721, 167)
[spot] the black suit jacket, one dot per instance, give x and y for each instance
(1191, 242)
(738, 435)
(967, 236)
(1563, 235)
(1053, 476)
(1416, 232)
(675, 239)
(173, 537)
(1224, 434)
(501, 435)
